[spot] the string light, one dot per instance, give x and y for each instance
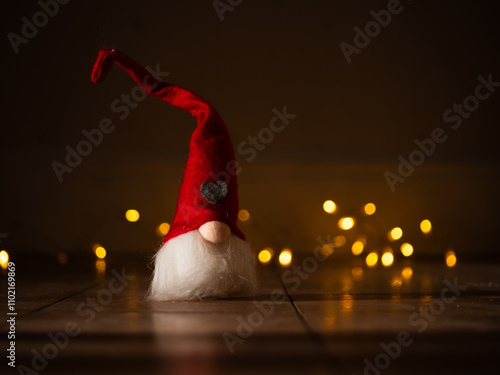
(406, 249)
(329, 206)
(346, 223)
(346, 302)
(100, 266)
(395, 234)
(162, 229)
(370, 208)
(407, 273)
(387, 258)
(132, 215)
(100, 252)
(451, 258)
(285, 257)
(357, 247)
(4, 259)
(371, 259)
(396, 282)
(339, 240)
(425, 226)
(243, 215)
(327, 249)
(357, 272)
(265, 255)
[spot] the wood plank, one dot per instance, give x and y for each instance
(132, 334)
(354, 314)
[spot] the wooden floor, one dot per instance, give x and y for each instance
(335, 318)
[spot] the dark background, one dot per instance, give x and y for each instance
(353, 120)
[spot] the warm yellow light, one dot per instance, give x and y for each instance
(265, 255)
(387, 258)
(132, 215)
(425, 226)
(357, 247)
(100, 266)
(395, 234)
(406, 249)
(371, 259)
(451, 258)
(407, 273)
(62, 258)
(100, 252)
(346, 223)
(162, 229)
(243, 215)
(370, 208)
(346, 302)
(4, 259)
(329, 206)
(327, 249)
(357, 272)
(339, 241)
(396, 282)
(285, 257)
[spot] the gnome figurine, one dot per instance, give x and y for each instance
(204, 254)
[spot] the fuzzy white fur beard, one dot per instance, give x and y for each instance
(189, 267)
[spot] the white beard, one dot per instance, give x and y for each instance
(189, 267)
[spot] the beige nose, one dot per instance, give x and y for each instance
(215, 231)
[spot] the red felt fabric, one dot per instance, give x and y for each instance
(211, 155)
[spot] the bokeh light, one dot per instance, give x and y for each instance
(395, 234)
(100, 266)
(100, 252)
(339, 241)
(285, 257)
(4, 259)
(265, 255)
(451, 258)
(132, 215)
(346, 223)
(387, 258)
(371, 259)
(406, 249)
(407, 273)
(357, 272)
(346, 303)
(327, 249)
(243, 215)
(425, 226)
(396, 282)
(357, 247)
(370, 208)
(329, 206)
(162, 229)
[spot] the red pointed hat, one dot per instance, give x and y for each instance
(209, 189)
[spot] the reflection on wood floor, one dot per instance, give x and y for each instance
(323, 317)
